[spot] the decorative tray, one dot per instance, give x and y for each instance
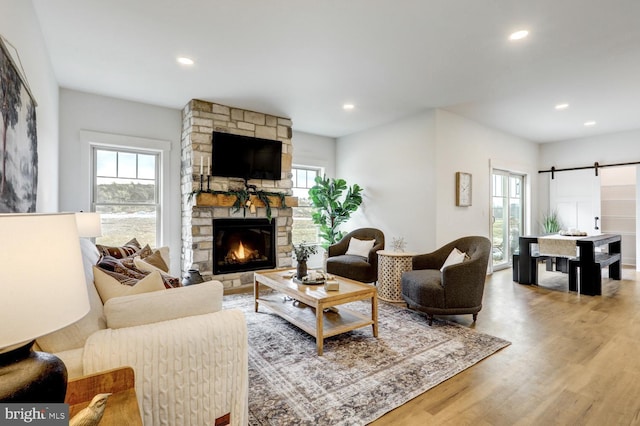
(308, 282)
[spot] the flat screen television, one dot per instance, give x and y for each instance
(246, 157)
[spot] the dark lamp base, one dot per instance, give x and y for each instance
(30, 376)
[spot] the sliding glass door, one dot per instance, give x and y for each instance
(507, 201)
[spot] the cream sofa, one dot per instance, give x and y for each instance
(189, 355)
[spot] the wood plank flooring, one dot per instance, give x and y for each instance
(574, 359)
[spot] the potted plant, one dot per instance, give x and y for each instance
(333, 206)
(302, 252)
(551, 223)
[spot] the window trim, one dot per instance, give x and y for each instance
(320, 172)
(91, 139)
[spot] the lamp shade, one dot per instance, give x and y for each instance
(89, 224)
(42, 283)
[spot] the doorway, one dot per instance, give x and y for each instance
(507, 205)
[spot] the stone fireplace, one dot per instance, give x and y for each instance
(243, 245)
(212, 228)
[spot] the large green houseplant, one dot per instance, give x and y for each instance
(333, 207)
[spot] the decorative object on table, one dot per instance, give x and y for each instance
(398, 244)
(302, 252)
(19, 147)
(36, 301)
(92, 414)
(550, 222)
(331, 285)
(463, 189)
(312, 278)
(572, 232)
(332, 208)
(192, 277)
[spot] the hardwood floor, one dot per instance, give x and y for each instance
(574, 359)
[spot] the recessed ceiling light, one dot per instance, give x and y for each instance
(185, 61)
(519, 35)
(348, 106)
(562, 106)
(590, 123)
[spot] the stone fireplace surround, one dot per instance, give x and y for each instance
(199, 120)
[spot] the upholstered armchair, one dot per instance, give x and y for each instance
(457, 289)
(190, 356)
(344, 263)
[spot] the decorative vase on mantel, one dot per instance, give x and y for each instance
(301, 269)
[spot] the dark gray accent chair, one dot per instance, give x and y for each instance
(458, 289)
(355, 267)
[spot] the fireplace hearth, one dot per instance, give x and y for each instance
(243, 245)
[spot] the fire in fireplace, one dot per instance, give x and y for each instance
(243, 245)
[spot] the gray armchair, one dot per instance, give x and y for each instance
(458, 289)
(356, 267)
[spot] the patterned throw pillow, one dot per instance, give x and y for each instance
(128, 249)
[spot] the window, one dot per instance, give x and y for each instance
(508, 216)
(126, 194)
(303, 227)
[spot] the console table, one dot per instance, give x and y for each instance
(589, 262)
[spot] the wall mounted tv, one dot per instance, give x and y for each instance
(246, 157)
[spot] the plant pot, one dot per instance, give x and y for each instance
(301, 269)
(192, 277)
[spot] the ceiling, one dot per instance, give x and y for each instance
(304, 59)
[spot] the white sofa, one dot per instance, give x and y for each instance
(189, 355)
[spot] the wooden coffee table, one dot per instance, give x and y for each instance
(312, 318)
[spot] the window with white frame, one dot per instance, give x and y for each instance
(303, 227)
(126, 192)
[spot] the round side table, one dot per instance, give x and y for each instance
(391, 265)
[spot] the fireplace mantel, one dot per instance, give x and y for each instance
(205, 199)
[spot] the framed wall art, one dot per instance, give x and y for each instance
(463, 189)
(18, 138)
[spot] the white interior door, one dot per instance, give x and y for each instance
(575, 195)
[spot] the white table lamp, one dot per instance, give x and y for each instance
(42, 289)
(89, 224)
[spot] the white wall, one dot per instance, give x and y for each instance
(408, 171)
(20, 26)
(396, 166)
(314, 150)
(612, 148)
(467, 146)
(87, 112)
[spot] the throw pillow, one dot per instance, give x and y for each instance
(124, 266)
(456, 256)
(169, 281)
(155, 259)
(122, 251)
(360, 247)
(109, 287)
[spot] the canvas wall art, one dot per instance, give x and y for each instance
(19, 143)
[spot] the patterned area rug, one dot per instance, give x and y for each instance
(359, 378)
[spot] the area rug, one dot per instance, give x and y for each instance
(359, 377)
